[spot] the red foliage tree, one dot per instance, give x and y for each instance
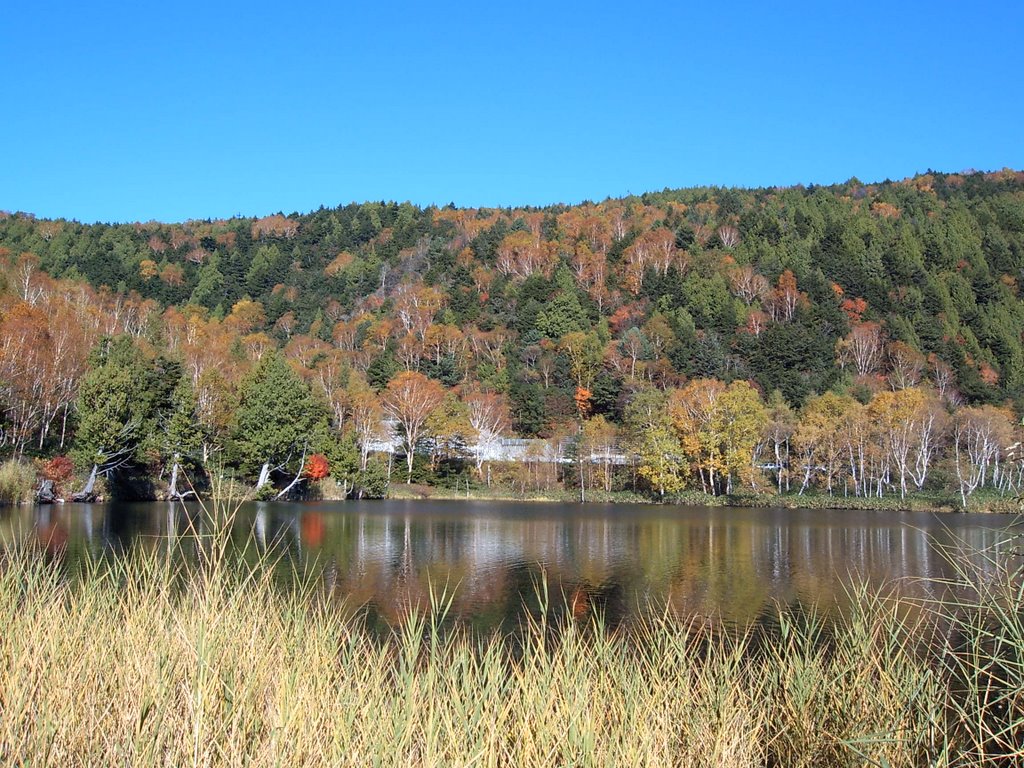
(59, 469)
(317, 467)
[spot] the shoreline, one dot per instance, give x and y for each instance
(934, 503)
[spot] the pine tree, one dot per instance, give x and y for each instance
(277, 421)
(116, 406)
(181, 436)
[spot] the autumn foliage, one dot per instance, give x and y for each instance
(317, 467)
(59, 469)
(407, 324)
(583, 399)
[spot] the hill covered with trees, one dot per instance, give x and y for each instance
(864, 339)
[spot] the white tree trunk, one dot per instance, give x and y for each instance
(173, 494)
(87, 492)
(264, 475)
(172, 489)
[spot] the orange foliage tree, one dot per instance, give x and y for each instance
(409, 399)
(317, 467)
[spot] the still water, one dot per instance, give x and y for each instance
(733, 564)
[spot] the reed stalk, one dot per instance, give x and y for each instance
(146, 661)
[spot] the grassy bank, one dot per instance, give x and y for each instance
(496, 493)
(17, 482)
(918, 502)
(144, 663)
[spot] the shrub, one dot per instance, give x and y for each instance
(373, 483)
(317, 467)
(265, 492)
(59, 469)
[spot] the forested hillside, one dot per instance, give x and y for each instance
(545, 321)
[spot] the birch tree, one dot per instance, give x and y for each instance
(490, 419)
(409, 399)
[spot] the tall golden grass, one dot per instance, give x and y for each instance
(17, 482)
(146, 661)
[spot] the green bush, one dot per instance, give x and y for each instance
(373, 483)
(265, 492)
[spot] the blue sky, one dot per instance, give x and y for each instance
(122, 112)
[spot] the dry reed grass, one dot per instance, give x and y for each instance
(149, 662)
(17, 482)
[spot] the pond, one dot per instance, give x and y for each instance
(731, 564)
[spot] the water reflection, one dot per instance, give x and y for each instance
(736, 564)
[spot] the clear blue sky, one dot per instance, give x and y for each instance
(138, 111)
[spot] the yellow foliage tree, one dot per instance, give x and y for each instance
(739, 419)
(819, 440)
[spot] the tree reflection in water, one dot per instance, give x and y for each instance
(732, 565)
